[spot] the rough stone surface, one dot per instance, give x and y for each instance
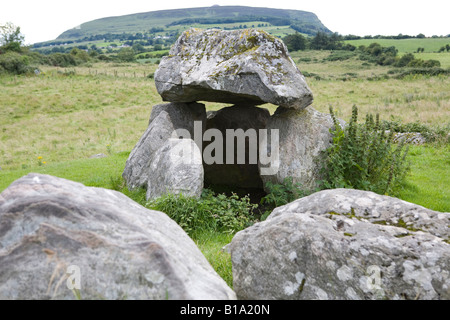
(248, 66)
(410, 137)
(244, 175)
(123, 250)
(374, 208)
(176, 168)
(165, 119)
(330, 246)
(303, 135)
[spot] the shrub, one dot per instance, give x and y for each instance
(295, 42)
(423, 71)
(281, 194)
(405, 60)
(63, 60)
(14, 63)
(340, 56)
(126, 55)
(363, 157)
(210, 212)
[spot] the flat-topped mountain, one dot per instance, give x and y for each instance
(178, 20)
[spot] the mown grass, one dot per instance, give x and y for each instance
(96, 172)
(428, 182)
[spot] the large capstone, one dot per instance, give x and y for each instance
(248, 66)
(62, 240)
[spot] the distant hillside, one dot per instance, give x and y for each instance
(225, 17)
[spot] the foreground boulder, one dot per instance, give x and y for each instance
(344, 244)
(51, 227)
(303, 135)
(239, 66)
(165, 120)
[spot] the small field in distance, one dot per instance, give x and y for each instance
(406, 45)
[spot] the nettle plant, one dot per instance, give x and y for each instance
(363, 157)
(279, 194)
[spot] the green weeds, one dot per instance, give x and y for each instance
(363, 157)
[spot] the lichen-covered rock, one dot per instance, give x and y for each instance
(303, 135)
(344, 244)
(165, 120)
(62, 240)
(176, 168)
(236, 66)
(375, 208)
(409, 137)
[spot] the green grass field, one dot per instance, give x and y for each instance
(406, 45)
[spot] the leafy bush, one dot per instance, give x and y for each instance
(405, 60)
(281, 194)
(210, 212)
(363, 157)
(422, 71)
(126, 55)
(295, 42)
(15, 63)
(340, 55)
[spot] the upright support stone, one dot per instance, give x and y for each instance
(303, 135)
(176, 168)
(165, 120)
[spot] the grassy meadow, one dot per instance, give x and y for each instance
(54, 122)
(431, 45)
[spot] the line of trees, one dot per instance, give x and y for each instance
(397, 37)
(374, 53)
(15, 58)
(147, 37)
(321, 41)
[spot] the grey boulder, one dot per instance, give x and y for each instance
(166, 120)
(236, 66)
(62, 240)
(344, 244)
(176, 168)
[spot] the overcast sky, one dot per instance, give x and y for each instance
(42, 20)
